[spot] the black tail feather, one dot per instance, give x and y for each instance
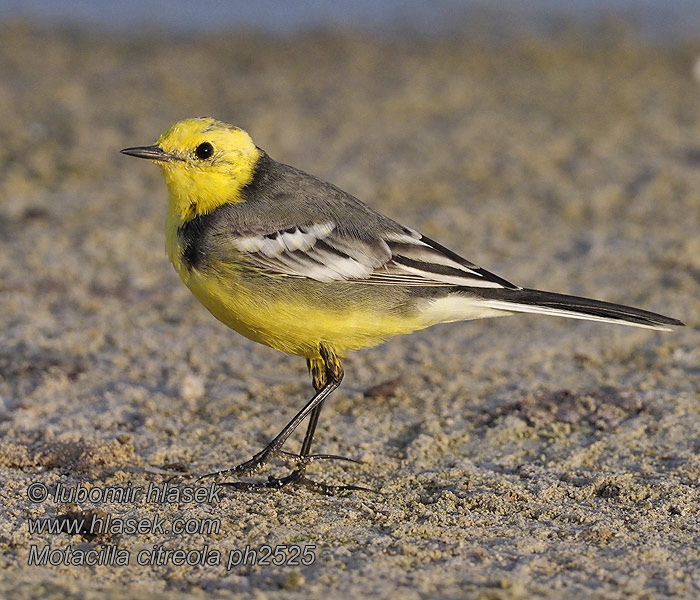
(536, 301)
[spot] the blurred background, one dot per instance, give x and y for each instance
(663, 20)
(554, 143)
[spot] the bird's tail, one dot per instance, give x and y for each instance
(573, 307)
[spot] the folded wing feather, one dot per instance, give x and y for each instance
(324, 253)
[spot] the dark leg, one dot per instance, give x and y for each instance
(275, 446)
(320, 375)
(317, 370)
(309, 436)
(323, 370)
(326, 373)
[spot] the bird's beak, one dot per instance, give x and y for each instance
(154, 152)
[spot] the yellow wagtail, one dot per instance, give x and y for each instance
(295, 263)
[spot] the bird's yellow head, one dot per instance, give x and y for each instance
(205, 164)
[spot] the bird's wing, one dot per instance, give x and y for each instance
(324, 252)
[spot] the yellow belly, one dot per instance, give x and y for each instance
(295, 316)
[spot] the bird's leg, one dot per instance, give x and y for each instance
(324, 385)
(322, 370)
(319, 378)
(317, 370)
(326, 373)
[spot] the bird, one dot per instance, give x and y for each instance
(294, 262)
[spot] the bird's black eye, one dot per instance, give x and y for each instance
(204, 150)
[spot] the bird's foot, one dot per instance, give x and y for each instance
(296, 477)
(261, 459)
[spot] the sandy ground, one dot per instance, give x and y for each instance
(517, 458)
